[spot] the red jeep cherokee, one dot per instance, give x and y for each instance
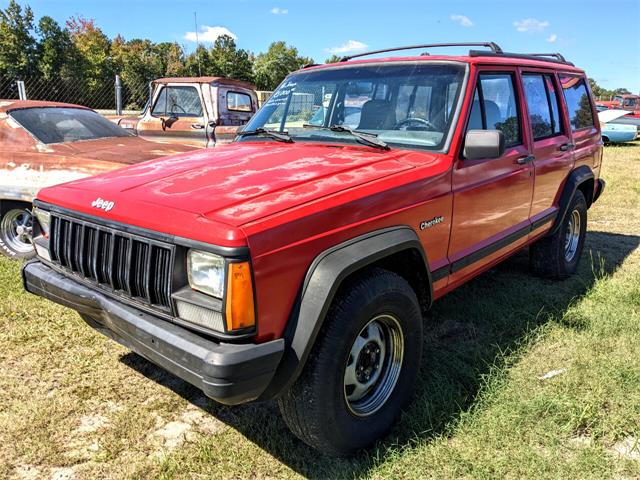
(298, 262)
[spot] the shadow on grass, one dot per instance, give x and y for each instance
(468, 333)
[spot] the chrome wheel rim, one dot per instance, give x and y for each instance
(572, 236)
(16, 230)
(373, 365)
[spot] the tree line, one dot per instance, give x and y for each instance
(81, 52)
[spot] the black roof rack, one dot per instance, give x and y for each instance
(495, 48)
(547, 57)
(494, 51)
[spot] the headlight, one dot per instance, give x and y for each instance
(206, 272)
(44, 219)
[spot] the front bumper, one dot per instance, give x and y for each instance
(228, 373)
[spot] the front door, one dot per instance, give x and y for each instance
(492, 197)
(176, 116)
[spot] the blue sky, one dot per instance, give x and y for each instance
(603, 37)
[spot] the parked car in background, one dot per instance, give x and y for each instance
(299, 263)
(198, 111)
(629, 102)
(613, 130)
(46, 143)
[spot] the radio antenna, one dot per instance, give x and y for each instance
(195, 20)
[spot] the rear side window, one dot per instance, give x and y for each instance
(240, 102)
(578, 103)
(178, 102)
(542, 104)
(495, 107)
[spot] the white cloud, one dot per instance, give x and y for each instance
(209, 34)
(530, 25)
(552, 38)
(462, 20)
(348, 47)
(279, 11)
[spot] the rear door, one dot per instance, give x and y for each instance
(552, 147)
(177, 115)
(492, 197)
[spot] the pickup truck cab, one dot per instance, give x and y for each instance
(300, 262)
(198, 111)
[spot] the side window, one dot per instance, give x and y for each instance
(160, 107)
(179, 102)
(578, 102)
(542, 104)
(495, 107)
(239, 102)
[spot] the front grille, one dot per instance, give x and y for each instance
(124, 263)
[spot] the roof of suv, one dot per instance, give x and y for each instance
(495, 56)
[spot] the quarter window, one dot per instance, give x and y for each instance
(578, 102)
(178, 102)
(495, 107)
(542, 103)
(240, 102)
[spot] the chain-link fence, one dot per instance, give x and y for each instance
(99, 94)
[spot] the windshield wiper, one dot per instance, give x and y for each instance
(363, 137)
(280, 136)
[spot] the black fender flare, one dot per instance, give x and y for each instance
(574, 180)
(323, 278)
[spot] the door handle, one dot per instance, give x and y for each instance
(197, 126)
(567, 146)
(526, 159)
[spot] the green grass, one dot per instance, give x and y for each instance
(73, 400)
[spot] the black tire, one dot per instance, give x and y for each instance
(316, 408)
(549, 256)
(13, 244)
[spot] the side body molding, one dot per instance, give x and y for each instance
(575, 179)
(322, 281)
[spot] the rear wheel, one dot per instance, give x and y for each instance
(15, 233)
(362, 370)
(557, 256)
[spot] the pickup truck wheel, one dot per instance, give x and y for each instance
(15, 229)
(557, 256)
(362, 370)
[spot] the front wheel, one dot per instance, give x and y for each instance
(15, 231)
(362, 370)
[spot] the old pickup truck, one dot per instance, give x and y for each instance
(198, 111)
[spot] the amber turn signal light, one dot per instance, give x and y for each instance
(240, 307)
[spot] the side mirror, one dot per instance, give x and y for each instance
(479, 144)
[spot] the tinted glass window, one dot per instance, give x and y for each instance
(407, 105)
(542, 104)
(59, 125)
(578, 102)
(178, 102)
(495, 107)
(240, 102)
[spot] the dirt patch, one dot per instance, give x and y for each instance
(627, 447)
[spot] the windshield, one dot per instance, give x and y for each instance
(406, 105)
(62, 124)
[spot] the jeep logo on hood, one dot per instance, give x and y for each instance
(103, 204)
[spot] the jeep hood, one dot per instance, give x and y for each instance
(234, 184)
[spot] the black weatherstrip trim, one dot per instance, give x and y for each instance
(442, 272)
